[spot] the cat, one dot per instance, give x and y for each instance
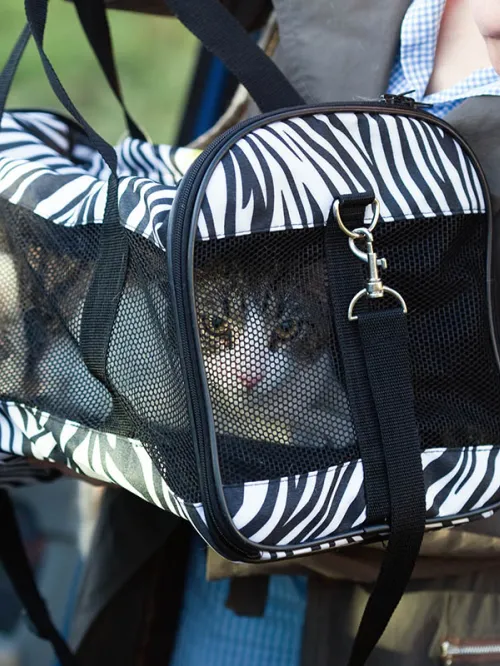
(266, 343)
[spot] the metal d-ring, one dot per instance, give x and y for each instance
(364, 292)
(355, 234)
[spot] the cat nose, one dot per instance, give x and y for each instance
(249, 381)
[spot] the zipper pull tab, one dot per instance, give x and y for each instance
(446, 657)
(404, 101)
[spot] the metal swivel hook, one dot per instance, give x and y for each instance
(374, 286)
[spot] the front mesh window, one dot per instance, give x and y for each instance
(272, 362)
(270, 355)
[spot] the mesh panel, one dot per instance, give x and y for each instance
(271, 357)
(267, 336)
(149, 376)
(439, 265)
(44, 275)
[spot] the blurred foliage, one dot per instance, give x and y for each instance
(155, 57)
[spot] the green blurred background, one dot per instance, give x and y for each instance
(155, 57)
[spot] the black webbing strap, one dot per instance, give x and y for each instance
(36, 13)
(226, 38)
(95, 24)
(99, 314)
(16, 564)
(346, 277)
(10, 67)
(376, 362)
(384, 339)
(103, 296)
(221, 34)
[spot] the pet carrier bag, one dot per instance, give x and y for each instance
(292, 345)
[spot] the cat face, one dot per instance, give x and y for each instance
(260, 337)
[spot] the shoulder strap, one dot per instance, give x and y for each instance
(15, 561)
(384, 339)
(376, 359)
(226, 38)
(220, 33)
(95, 24)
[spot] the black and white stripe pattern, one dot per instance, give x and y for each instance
(314, 506)
(287, 174)
(299, 509)
(461, 484)
(358, 539)
(29, 432)
(284, 175)
(48, 166)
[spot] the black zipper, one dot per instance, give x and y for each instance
(180, 244)
(403, 101)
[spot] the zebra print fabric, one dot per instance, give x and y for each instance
(48, 166)
(282, 176)
(31, 433)
(287, 174)
(461, 484)
(313, 506)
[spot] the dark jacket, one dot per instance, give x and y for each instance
(332, 50)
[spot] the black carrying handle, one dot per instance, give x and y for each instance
(10, 67)
(220, 33)
(36, 13)
(104, 292)
(99, 38)
(94, 21)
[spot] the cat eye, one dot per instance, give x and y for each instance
(216, 325)
(287, 329)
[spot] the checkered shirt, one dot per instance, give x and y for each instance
(415, 60)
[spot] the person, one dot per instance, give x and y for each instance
(145, 599)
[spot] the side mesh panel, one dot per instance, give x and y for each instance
(45, 271)
(272, 361)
